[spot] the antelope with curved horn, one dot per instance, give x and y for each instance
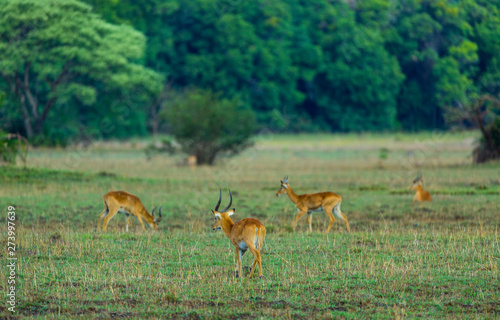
(310, 202)
(421, 194)
(247, 234)
(128, 204)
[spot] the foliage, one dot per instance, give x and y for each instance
(57, 54)
(299, 65)
(322, 65)
(483, 113)
(11, 147)
(207, 126)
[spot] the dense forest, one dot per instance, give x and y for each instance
(108, 68)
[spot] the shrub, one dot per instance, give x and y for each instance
(208, 126)
(482, 112)
(486, 151)
(11, 146)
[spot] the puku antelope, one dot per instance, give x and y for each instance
(247, 234)
(421, 195)
(192, 161)
(310, 202)
(128, 204)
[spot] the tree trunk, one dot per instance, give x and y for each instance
(155, 124)
(26, 116)
(155, 118)
(486, 134)
(39, 121)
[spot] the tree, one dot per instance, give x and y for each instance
(54, 51)
(356, 80)
(320, 64)
(12, 145)
(481, 112)
(474, 100)
(207, 126)
(240, 49)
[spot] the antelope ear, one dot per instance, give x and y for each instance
(216, 214)
(230, 212)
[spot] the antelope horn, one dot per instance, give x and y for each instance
(419, 176)
(218, 203)
(230, 201)
(153, 212)
(285, 179)
(159, 216)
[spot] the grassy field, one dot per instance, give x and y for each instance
(401, 260)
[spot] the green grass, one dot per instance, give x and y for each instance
(401, 260)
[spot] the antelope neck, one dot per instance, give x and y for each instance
(227, 225)
(292, 195)
(147, 216)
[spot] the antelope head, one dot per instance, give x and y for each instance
(417, 181)
(154, 224)
(284, 186)
(223, 214)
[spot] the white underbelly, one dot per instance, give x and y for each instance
(242, 245)
(124, 212)
(320, 209)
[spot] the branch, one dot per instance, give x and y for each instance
(480, 121)
(50, 103)
(59, 78)
(25, 113)
(46, 110)
(32, 99)
(163, 95)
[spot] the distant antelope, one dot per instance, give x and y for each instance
(308, 203)
(128, 204)
(421, 195)
(247, 234)
(192, 161)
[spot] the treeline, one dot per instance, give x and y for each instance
(312, 65)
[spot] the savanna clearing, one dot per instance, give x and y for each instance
(430, 260)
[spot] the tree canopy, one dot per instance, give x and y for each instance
(58, 56)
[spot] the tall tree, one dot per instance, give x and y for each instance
(320, 64)
(54, 51)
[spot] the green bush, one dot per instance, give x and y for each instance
(207, 126)
(11, 146)
(484, 151)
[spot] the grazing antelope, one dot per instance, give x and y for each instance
(310, 202)
(128, 204)
(421, 195)
(246, 234)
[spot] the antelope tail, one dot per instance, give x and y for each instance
(336, 210)
(260, 238)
